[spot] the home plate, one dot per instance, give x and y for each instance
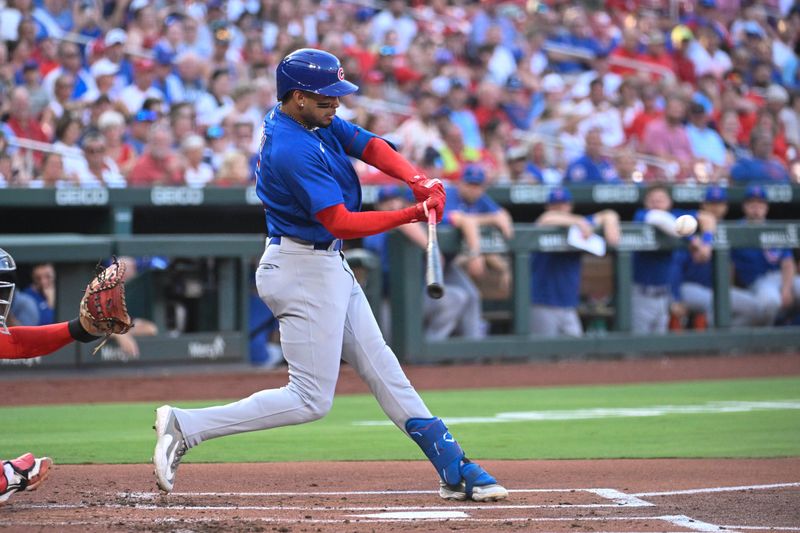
(415, 515)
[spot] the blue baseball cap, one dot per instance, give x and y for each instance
(715, 193)
(389, 192)
(755, 192)
(474, 175)
(145, 115)
(163, 55)
(559, 195)
(215, 132)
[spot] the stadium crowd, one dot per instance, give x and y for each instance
(142, 93)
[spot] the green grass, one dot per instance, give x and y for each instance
(121, 432)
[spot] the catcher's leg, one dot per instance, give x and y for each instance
(23, 473)
(461, 479)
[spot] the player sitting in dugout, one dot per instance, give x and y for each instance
(468, 208)
(458, 311)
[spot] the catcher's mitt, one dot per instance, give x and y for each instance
(103, 310)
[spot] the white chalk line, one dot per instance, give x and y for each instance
(717, 489)
(690, 523)
(153, 495)
(715, 407)
(324, 508)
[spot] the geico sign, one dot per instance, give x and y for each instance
(176, 196)
(69, 196)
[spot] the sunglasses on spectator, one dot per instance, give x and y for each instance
(94, 149)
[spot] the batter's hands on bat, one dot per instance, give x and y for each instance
(424, 187)
(423, 208)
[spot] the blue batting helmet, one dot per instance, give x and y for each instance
(314, 71)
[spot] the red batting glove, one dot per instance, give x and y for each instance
(422, 208)
(424, 187)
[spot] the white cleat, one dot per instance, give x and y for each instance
(170, 448)
(485, 493)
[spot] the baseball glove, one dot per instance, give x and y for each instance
(103, 311)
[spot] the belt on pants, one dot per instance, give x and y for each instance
(652, 290)
(332, 246)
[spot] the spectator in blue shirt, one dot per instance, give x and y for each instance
(592, 166)
(556, 276)
(761, 167)
(770, 274)
(706, 143)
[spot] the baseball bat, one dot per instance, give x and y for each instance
(434, 278)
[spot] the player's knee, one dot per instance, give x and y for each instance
(319, 407)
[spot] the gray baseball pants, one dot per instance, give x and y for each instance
(745, 307)
(552, 321)
(650, 309)
(767, 290)
(324, 317)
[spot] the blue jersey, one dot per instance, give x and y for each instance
(483, 205)
(688, 271)
(301, 172)
(556, 277)
(656, 269)
(47, 315)
(752, 263)
(587, 170)
(759, 170)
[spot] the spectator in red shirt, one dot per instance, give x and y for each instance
(629, 49)
(159, 164)
(635, 132)
(22, 123)
(656, 54)
(666, 137)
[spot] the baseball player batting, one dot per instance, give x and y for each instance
(312, 199)
(26, 473)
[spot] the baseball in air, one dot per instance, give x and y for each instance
(685, 225)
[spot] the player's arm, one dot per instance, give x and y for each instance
(788, 272)
(608, 220)
(565, 220)
(33, 341)
(415, 233)
(380, 154)
(663, 220)
(345, 224)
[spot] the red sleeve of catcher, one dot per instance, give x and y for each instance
(32, 341)
(344, 224)
(380, 155)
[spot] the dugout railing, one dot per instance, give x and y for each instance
(239, 210)
(410, 344)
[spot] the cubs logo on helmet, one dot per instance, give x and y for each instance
(313, 71)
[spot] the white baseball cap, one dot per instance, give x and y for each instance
(115, 36)
(103, 67)
(552, 83)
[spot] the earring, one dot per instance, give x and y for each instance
(302, 106)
